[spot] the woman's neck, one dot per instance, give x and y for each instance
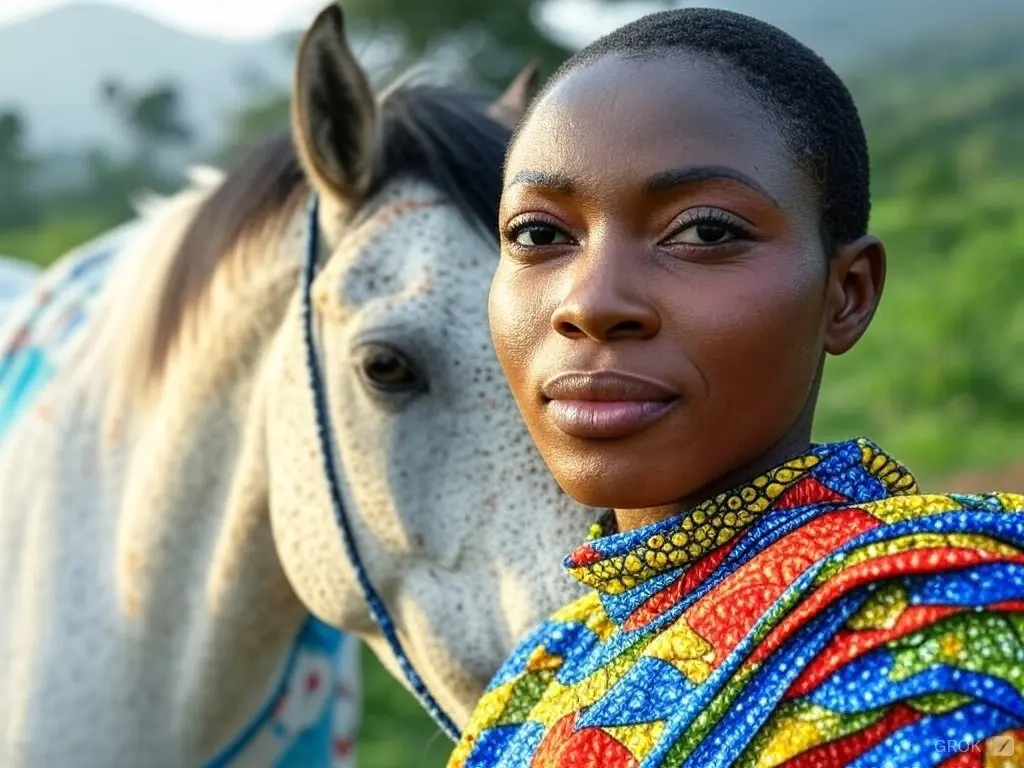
(794, 443)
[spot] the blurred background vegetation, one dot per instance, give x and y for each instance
(938, 380)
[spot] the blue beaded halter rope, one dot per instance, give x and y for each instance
(378, 610)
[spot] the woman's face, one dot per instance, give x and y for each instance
(663, 301)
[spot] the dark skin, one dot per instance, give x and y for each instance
(654, 223)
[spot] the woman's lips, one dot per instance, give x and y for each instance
(604, 419)
(606, 404)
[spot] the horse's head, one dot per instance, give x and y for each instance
(460, 525)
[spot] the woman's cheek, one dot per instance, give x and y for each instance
(513, 317)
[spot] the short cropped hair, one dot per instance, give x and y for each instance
(813, 108)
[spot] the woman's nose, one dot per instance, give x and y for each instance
(605, 300)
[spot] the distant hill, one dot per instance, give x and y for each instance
(945, 116)
(846, 32)
(51, 67)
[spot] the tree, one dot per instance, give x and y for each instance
(153, 117)
(494, 39)
(17, 204)
(261, 117)
(12, 139)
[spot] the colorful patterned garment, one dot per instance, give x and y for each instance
(311, 718)
(824, 615)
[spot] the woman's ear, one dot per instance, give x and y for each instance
(334, 113)
(856, 280)
(511, 105)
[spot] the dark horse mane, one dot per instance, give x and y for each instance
(439, 135)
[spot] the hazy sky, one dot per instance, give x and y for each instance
(576, 21)
(223, 18)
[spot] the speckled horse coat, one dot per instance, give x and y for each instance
(170, 565)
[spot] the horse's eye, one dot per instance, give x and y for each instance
(385, 368)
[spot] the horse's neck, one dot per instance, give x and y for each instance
(194, 535)
(145, 535)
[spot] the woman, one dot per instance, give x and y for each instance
(684, 240)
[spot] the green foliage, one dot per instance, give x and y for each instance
(943, 117)
(266, 114)
(396, 732)
(938, 378)
(41, 245)
(496, 39)
(17, 203)
(153, 116)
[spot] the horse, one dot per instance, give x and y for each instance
(260, 421)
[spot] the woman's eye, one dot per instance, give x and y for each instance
(534, 235)
(704, 234)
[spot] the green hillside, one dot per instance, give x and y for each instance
(939, 378)
(942, 117)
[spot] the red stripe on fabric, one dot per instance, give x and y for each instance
(918, 561)
(584, 556)
(849, 644)
(1012, 606)
(845, 750)
(806, 492)
(725, 615)
(565, 747)
(662, 601)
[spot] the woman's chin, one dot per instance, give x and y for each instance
(606, 483)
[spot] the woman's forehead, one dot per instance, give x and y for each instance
(637, 118)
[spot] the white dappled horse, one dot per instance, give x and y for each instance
(185, 525)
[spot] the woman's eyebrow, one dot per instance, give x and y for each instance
(556, 182)
(662, 181)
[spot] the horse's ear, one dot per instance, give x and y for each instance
(334, 112)
(512, 104)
